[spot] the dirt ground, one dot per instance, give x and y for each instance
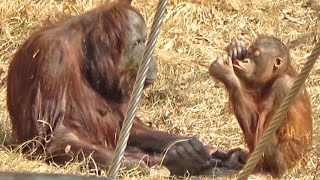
(185, 99)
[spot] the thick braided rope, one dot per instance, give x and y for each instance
(279, 116)
(137, 89)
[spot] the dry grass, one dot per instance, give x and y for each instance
(184, 100)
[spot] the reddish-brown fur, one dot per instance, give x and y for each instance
(47, 95)
(68, 94)
(255, 102)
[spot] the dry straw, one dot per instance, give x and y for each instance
(184, 100)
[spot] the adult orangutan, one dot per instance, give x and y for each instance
(257, 80)
(68, 91)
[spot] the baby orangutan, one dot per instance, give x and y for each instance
(257, 79)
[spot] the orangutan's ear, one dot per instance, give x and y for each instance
(278, 62)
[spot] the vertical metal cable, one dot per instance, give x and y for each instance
(279, 116)
(137, 89)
